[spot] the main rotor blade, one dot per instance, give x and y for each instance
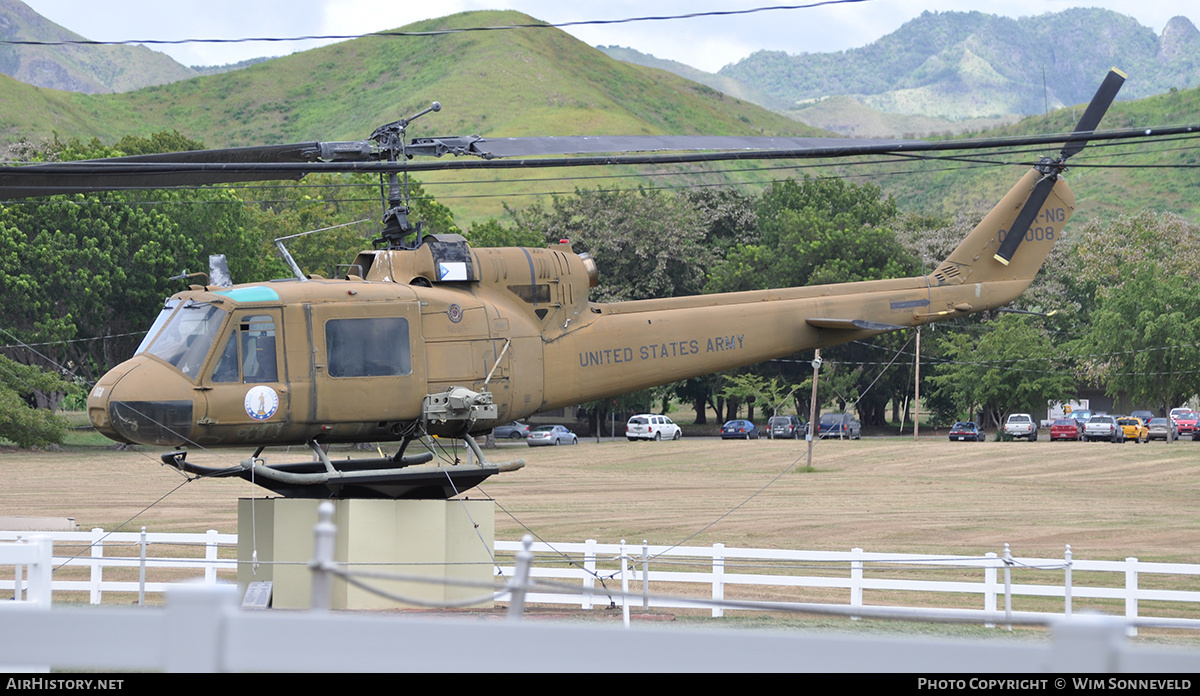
(293, 161)
(1096, 109)
(1025, 218)
(589, 144)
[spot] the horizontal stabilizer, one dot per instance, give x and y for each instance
(852, 324)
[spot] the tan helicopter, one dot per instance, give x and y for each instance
(430, 336)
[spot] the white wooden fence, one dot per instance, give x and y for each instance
(984, 584)
(202, 629)
(726, 570)
(94, 552)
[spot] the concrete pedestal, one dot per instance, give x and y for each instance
(431, 538)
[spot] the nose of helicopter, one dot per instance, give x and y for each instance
(144, 402)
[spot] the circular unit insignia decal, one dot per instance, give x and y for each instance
(261, 402)
(455, 313)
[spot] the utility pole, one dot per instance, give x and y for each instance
(917, 397)
(812, 406)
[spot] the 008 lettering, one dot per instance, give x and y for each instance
(1033, 234)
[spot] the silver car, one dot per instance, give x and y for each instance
(551, 435)
(1163, 429)
(1103, 428)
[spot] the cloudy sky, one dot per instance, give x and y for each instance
(703, 42)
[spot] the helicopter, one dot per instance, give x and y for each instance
(425, 335)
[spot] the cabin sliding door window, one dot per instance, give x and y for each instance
(368, 347)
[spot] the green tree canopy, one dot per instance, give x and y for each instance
(19, 422)
(1012, 368)
(647, 244)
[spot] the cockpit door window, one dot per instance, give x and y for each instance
(249, 355)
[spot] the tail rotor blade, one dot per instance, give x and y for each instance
(1095, 110)
(1024, 219)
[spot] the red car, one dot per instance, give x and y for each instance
(1186, 422)
(1066, 429)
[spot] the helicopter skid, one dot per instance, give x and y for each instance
(353, 478)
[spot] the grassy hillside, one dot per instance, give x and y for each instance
(1104, 192)
(850, 117)
(543, 82)
(510, 83)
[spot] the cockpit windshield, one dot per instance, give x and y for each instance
(161, 319)
(188, 335)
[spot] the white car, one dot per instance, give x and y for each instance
(647, 426)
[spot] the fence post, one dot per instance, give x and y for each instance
(1008, 562)
(210, 557)
(520, 582)
(40, 589)
(97, 576)
(624, 585)
(589, 566)
(989, 587)
(197, 616)
(718, 583)
(645, 574)
(1067, 583)
(1131, 588)
(18, 577)
(324, 538)
(142, 569)
(856, 578)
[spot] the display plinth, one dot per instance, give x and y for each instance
(441, 539)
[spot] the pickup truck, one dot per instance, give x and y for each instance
(1021, 425)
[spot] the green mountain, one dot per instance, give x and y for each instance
(76, 68)
(510, 83)
(959, 65)
(544, 82)
(1162, 177)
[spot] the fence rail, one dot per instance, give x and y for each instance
(202, 629)
(987, 584)
(857, 571)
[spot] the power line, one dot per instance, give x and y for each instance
(433, 32)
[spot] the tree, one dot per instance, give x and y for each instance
(812, 232)
(19, 421)
(1145, 340)
(817, 231)
(1141, 277)
(1013, 368)
(646, 243)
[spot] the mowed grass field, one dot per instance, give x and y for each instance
(887, 494)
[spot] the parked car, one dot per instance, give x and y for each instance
(1163, 429)
(1144, 415)
(648, 426)
(839, 425)
(785, 427)
(1021, 425)
(551, 435)
(1134, 429)
(1082, 415)
(739, 430)
(1103, 428)
(511, 431)
(1066, 429)
(1186, 422)
(966, 431)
